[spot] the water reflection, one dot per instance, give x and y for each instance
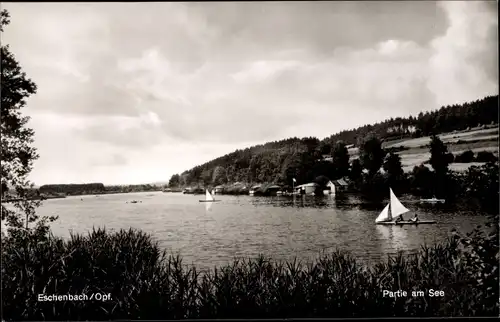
(208, 207)
(393, 238)
(303, 201)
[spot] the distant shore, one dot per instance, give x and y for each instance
(32, 198)
(61, 196)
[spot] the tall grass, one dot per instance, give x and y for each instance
(146, 283)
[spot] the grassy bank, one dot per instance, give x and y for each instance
(145, 283)
(415, 151)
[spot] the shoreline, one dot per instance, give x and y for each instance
(74, 195)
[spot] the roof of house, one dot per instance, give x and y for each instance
(219, 187)
(341, 182)
(274, 187)
(312, 184)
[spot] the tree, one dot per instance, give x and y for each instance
(311, 143)
(393, 167)
(174, 181)
(465, 157)
(371, 154)
(16, 140)
(321, 180)
(324, 168)
(324, 148)
(421, 180)
(290, 169)
(206, 177)
(482, 184)
(340, 157)
(439, 159)
(356, 170)
(485, 156)
(219, 175)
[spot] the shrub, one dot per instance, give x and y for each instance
(465, 157)
(145, 283)
(485, 156)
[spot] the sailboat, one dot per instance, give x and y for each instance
(395, 209)
(208, 197)
(432, 200)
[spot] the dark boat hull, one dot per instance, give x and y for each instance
(407, 222)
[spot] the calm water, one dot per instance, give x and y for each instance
(244, 226)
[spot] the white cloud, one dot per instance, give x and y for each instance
(466, 54)
(139, 91)
(262, 70)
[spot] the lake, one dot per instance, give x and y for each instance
(244, 226)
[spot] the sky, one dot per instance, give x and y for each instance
(132, 93)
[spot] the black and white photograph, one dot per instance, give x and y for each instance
(249, 160)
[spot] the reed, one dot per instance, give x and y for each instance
(146, 283)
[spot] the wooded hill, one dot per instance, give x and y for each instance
(73, 188)
(301, 158)
(94, 188)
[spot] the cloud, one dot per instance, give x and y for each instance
(168, 85)
(464, 65)
(261, 70)
(112, 160)
(136, 132)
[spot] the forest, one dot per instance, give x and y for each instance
(72, 189)
(94, 188)
(303, 158)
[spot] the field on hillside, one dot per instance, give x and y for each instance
(418, 152)
(478, 135)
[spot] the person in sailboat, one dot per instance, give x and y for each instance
(415, 218)
(400, 218)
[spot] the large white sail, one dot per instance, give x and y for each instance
(208, 196)
(397, 208)
(384, 215)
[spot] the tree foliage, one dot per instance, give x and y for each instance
(219, 175)
(371, 154)
(18, 154)
(356, 170)
(340, 160)
(394, 169)
(485, 156)
(421, 180)
(174, 181)
(439, 160)
(73, 189)
(465, 157)
(481, 183)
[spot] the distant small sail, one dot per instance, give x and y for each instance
(208, 196)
